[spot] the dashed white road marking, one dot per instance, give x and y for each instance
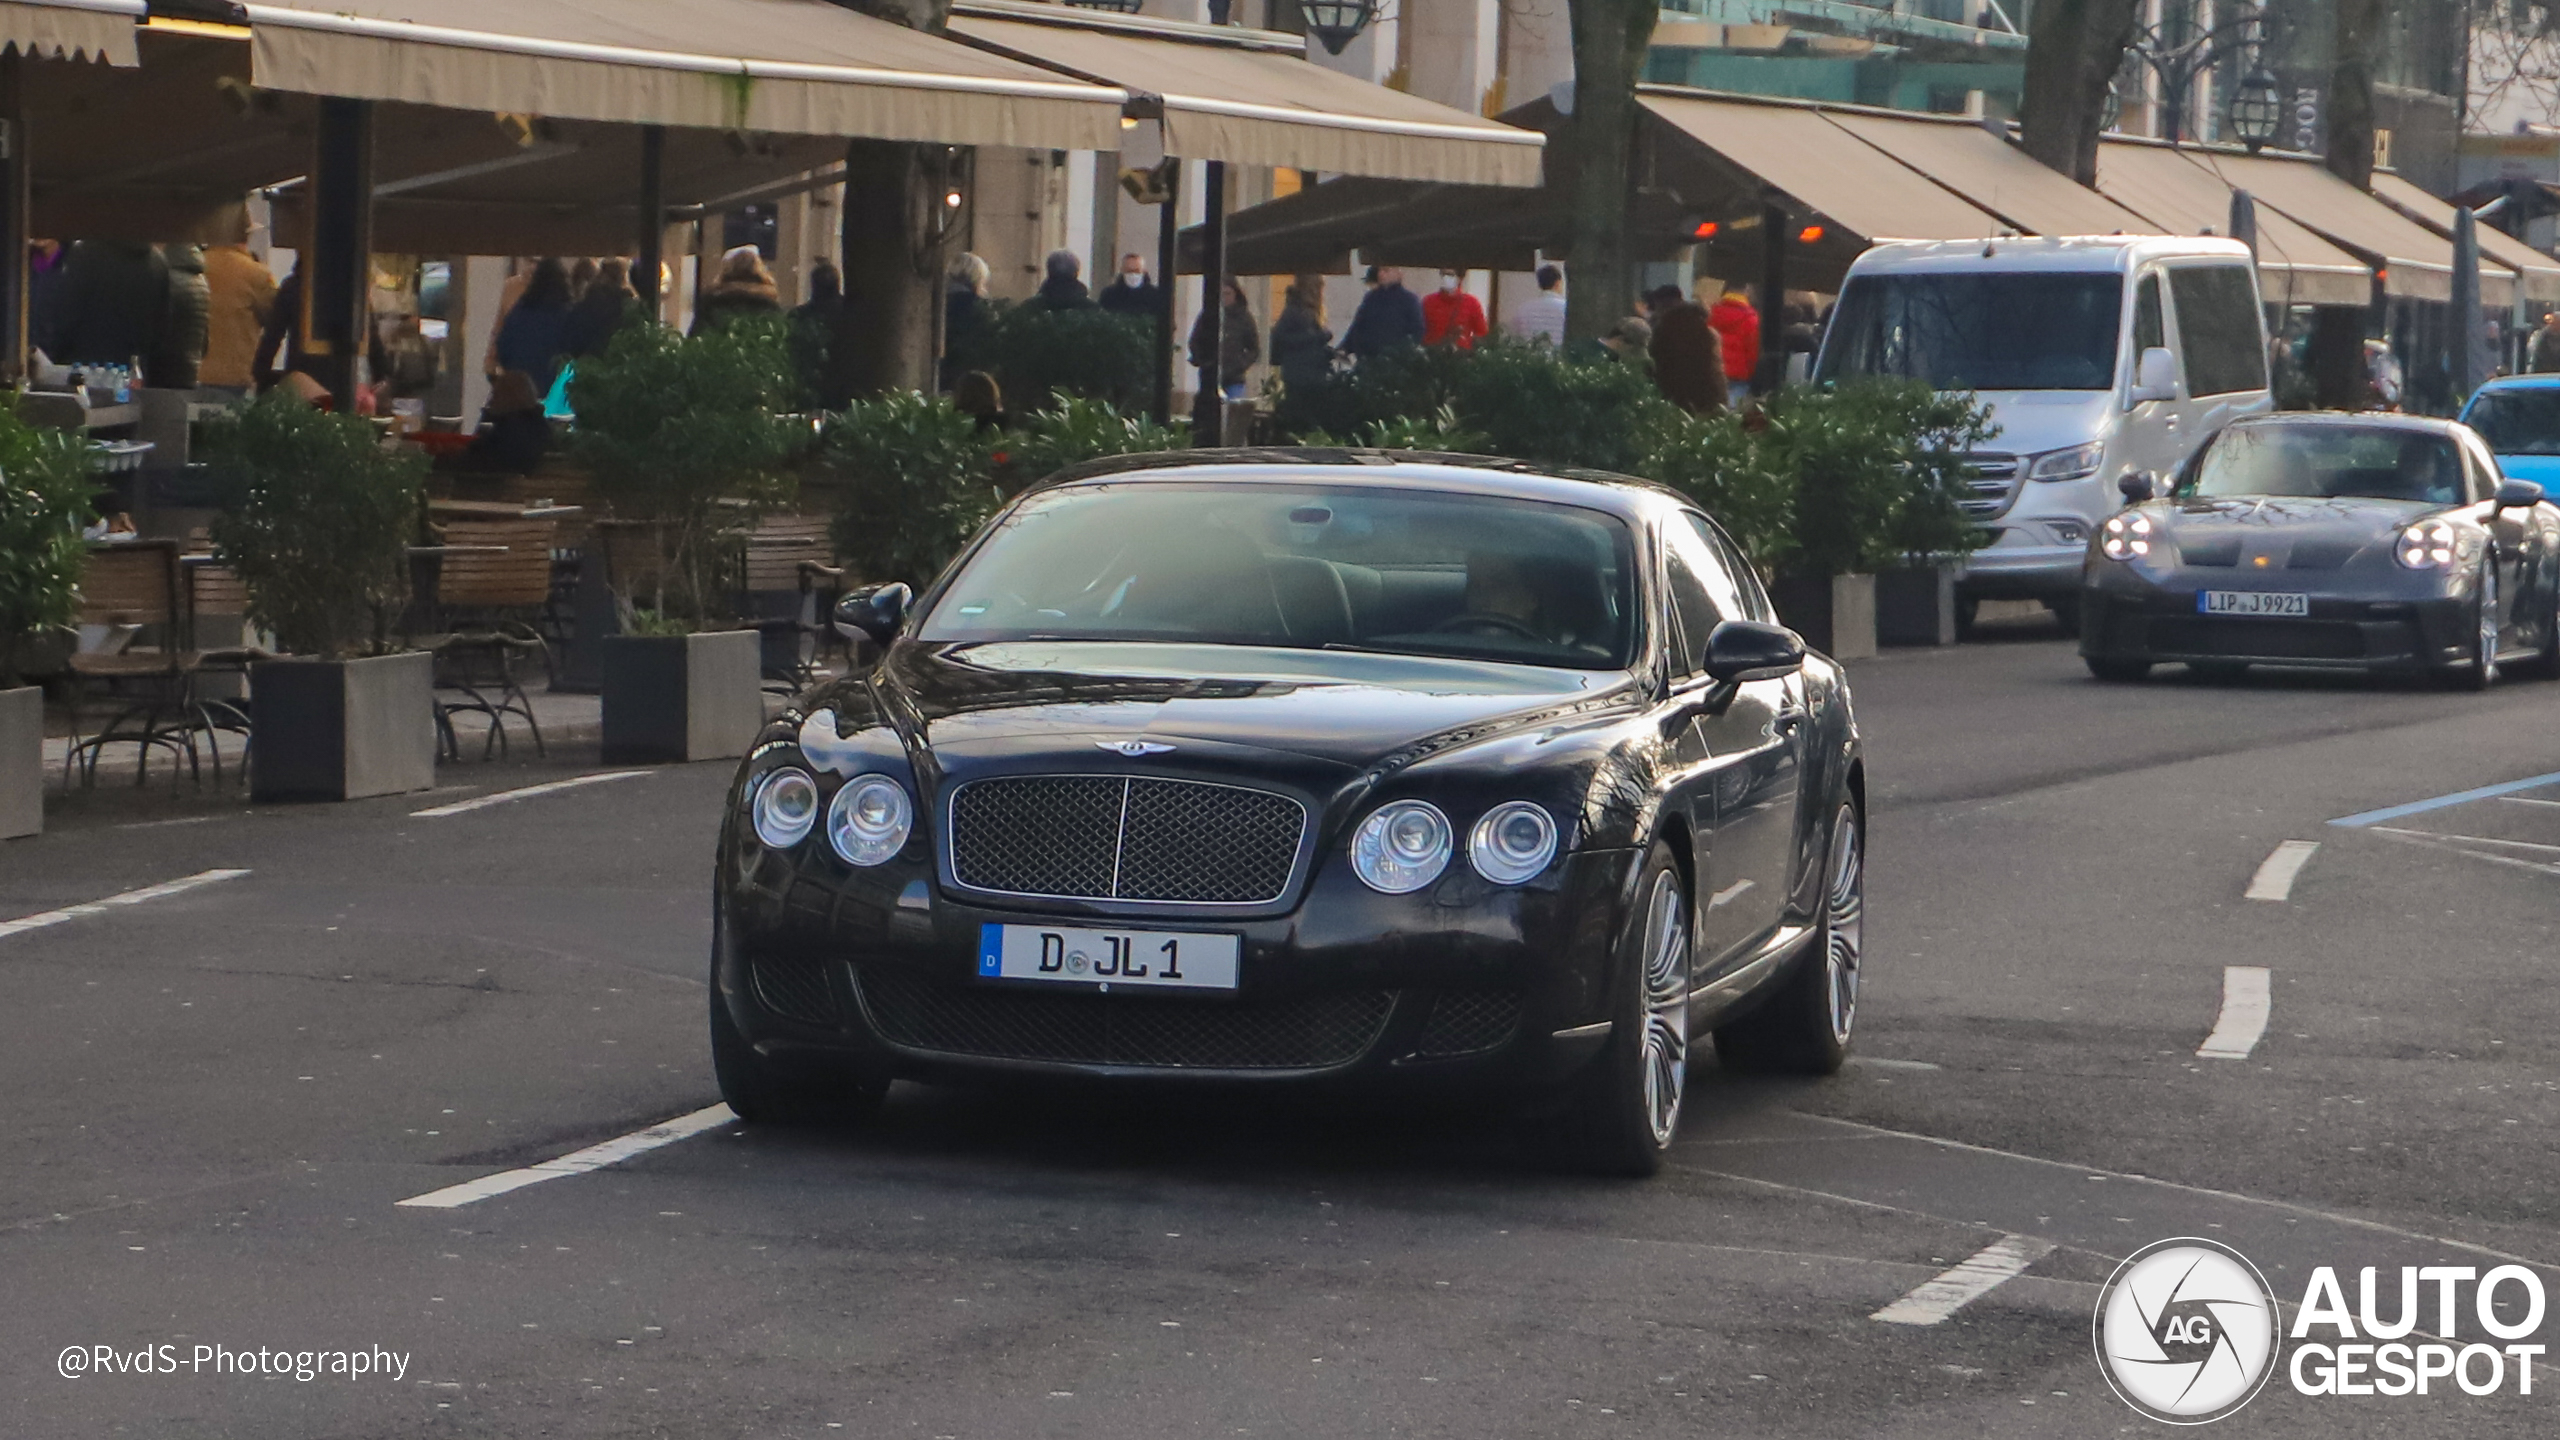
(2529, 800)
(2246, 1000)
(1879, 1062)
(577, 1162)
(527, 792)
(2003, 1260)
(2274, 880)
(2471, 839)
(129, 897)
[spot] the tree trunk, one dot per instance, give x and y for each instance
(2074, 47)
(1609, 39)
(895, 239)
(2335, 354)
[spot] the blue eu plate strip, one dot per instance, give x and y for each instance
(990, 949)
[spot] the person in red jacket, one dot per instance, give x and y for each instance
(1451, 316)
(1739, 324)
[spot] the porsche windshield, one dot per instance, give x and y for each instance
(2522, 421)
(2366, 462)
(1304, 566)
(1998, 330)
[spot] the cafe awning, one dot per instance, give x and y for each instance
(1251, 97)
(2418, 263)
(2539, 273)
(2295, 266)
(1825, 168)
(71, 29)
(800, 67)
(1992, 173)
(1423, 224)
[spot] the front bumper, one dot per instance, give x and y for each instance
(1464, 986)
(2382, 636)
(2022, 572)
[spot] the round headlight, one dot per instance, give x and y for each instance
(2428, 546)
(869, 819)
(1512, 842)
(2125, 537)
(1401, 847)
(784, 807)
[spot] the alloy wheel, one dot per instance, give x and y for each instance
(2488, 622)
(1666, 1003)
(1845, 905)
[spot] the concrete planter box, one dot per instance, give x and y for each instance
(671, 698)
(1916, 605)
(21, 762)
(342, 729)
(1836, 614)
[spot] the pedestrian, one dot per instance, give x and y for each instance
(514, 434)
(112, 306)
(964, 314)
(1541, 316)
(1239, 341)
(1688, 357)
(1629, 339)
(44, 288)
(176, 359)
(1451, 316)
(2385, 381)
(1134, 292)
(1301, 343)
(1064, 289)
(602, 311)
(582, 275)
(2542, 352)
(535, 337)
(745, 288)
(1738, 324)
(814, 323)
(979, 397)
(240, 293)
(409, 366)
(1390, 316)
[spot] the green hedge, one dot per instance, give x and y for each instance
(1037, 353)
(44, 497)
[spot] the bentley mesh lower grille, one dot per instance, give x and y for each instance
(1100, 837)
(1464, 1022)
(1303, 1034)
(794, 988)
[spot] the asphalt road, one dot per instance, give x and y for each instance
(220, 1095)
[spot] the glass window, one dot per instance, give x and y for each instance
(2330, 461)
(1756, 604)
(2218, 328)
(1691, 606)
(2518, 422)
(1724, 584)
(2148, 330)
(1309, 565)
(2010, 330)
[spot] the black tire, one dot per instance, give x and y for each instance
(2545, 664)
(2480, 671)
(2066, 612)
(2118, 670)
(1806, 1027)
(764, 1093)
(1612, 1121)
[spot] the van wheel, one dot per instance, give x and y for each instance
(1968, 610)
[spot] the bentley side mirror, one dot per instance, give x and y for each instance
(2518, 495)
(2138, 486)
(873, 613)
(2155, 376)
(1740, 650)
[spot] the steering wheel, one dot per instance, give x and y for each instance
(1481, 622)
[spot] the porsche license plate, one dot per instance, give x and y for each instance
(1133, 959)
(2250, 602)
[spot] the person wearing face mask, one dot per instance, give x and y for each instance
(1451, 316)
(1132, 291)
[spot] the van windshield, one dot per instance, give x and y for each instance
(2010, 330)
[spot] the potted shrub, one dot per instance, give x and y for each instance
(44, 493)
(691, 439)
(317, 518)
(1916, 595)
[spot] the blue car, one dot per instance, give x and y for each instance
(2520, 418)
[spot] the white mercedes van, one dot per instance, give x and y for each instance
(2098, 356)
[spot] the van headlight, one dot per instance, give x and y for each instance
(784, 807)
(2125, 537)
(869, 820)
(2428, 545)
(1513, 842)
(2077, 463)
(1401, 847)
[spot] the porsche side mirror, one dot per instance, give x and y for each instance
(873, 613)
(2518, 495)
(2137, 486)
(1739, 650)
(2155, 376)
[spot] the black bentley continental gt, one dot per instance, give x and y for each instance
(2383, 543)
(1306, 769)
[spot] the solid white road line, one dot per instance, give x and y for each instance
(2471, 839)
(2274, 880)
(2528, 800)
(2245, 1002)
(2004, 1259)
(502, 797)
(577, 1162)
(129, 897)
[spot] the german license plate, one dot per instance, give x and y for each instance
(1130, 959)
(2250, 602)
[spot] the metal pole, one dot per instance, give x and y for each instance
(335, 285)
(651, 263)
(1168, 240)
(1213, 303)
(14, 196)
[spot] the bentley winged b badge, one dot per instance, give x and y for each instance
(1132, 749)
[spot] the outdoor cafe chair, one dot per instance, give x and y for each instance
(131, 591)
(791, 583)
(496, 575)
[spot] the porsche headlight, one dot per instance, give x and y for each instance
(1401, 847)
(2428, 545)
(869, 820)
(2077, 463)
(2125, 536)
(1512, 842)
(784, 807)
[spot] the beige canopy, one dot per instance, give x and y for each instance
(2295, 266)
(800, 67)
(1251, 97)
(71, 29)
(2417, 262)
(2539, 273)
(1829, 170)
(1992, 173)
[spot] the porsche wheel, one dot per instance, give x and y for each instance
(2480, 671)
(1627, 1107)
(2115, 669)
(1805, 1027)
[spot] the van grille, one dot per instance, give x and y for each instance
(1991, 483)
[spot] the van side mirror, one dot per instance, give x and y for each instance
(2155, 376)
(873, 613)
(2137, 486)
(1740, 650)
(2518, 495)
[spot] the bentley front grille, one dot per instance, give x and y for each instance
(1098, 837)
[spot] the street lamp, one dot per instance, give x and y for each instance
(1337, 22)
(2257, 109)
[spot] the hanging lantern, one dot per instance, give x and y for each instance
(1337, 22)
(2257, 109)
